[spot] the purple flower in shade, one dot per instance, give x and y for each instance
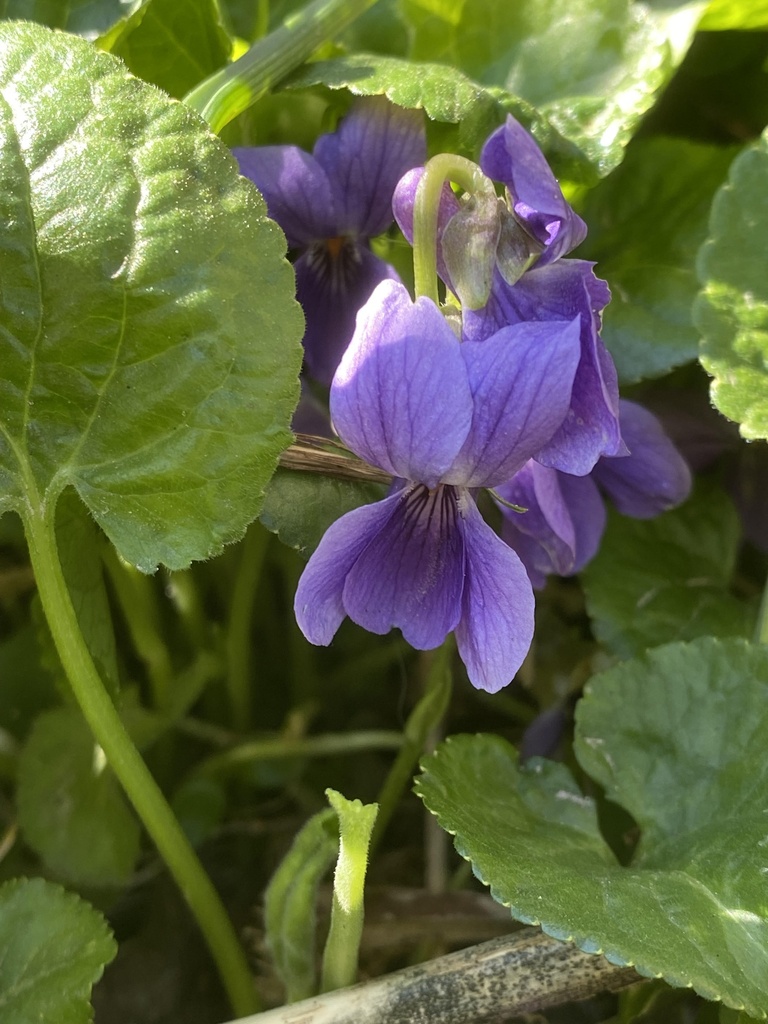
(554, 289)
(562, 528)
(330, 203)
(443, 418)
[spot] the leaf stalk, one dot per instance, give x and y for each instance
(133, 774)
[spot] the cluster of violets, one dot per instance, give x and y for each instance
(511, 391)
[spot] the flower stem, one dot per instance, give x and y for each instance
(230, 91)
(441, 168)
(133, 774)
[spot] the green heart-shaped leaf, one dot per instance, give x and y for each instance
(53, 947)
(149, 335)
(678, 738)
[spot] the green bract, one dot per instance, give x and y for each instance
(53, 947)
(149, 333)
(678, 739)
(732, 309)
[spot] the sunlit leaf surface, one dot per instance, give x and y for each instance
(149, 333)
(678, 739)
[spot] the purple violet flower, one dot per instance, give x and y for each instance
(443, 418)
(330, 203)
(562, 528)
(553, 289)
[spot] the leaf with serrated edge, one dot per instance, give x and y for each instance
(731, 311)
(692, 907)
(53, 948)
(446, 94)
(150, 337)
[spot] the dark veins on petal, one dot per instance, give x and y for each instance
(335, 262)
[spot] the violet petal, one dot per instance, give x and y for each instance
(296, 189)
(400, 398)
(411, 575)
(562, 528)
(374, 145)
(561, 291)
(496, 626)
(653, 477)
(511, 155)
(521, 381)
(319, 605)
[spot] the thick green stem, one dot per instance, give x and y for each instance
(134, 776)
(441, 168)
(238, 86)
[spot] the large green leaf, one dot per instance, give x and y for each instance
(71, 808)
(732, 309)
(149, 334)
(85, 17)
(664, 579)
(174, 44)
(592, 66)
(678, 738)
(646, 221)
(53, 947)
(724, 15)
(446, 94)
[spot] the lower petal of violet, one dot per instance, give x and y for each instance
(411, 574)
(319, 604)
(561, 529)
(334, 279)
(496, 627)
